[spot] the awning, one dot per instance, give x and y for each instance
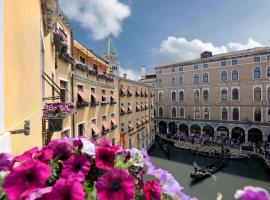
(129, 91)
(137, 92)
(104, 96)
(83, 96)
(130, 108)
(143, 121)
(138, 123)
(112, 98)
(105, 125)
(95, 129)
(138, 107)
(146, 93)
(123, 109)
(114, 121)
(95, 96)
(129, 125)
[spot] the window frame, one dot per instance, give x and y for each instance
(254, 68)
(232, 89)
(232, 75)
(205, 73)
(197, 77)
(221, 75)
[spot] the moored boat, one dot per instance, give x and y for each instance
(222, 156)
(164, 148)
(208, 170)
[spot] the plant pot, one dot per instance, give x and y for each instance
(55, 124)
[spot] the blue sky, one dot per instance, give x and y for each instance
(153, 32)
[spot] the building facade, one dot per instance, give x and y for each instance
(216, 94)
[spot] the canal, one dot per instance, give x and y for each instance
(234, 175)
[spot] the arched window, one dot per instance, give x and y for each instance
(235, 94)
(257, 94)
(197, 113)
(257, 115)
(235, 114)
(224, 114)
(268, 72)
(181, 96)
(205, 95)
(182, 112)
(268, 93)
(173, 112)
(181, 80)
(257, 72)
(205, 77)
(206, 113)
(196, 96)
(234, 75)
(224, 76)
(160, 96)
(196, 78)
(224, 95)
(173, 81)
(173, 96)
(160, 111)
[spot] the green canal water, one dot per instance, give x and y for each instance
(234, 175)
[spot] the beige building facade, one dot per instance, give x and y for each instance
(227, 93)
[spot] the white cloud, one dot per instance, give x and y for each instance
(100, 17)
(175, 49)
(234, 46)
(133, 75)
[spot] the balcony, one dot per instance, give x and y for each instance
(103, 100)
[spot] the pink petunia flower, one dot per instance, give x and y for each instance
(65, 189)
(105, 158)
(26, 178)
(5, 162)
(61, 149)
(151, 190)
(76, 167)
(40, 194)
(116, 184)
(254, 193)
(44, 155)
(26, 155)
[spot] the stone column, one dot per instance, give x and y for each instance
(246, 137)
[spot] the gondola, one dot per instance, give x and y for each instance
(208, 170)
(164, 148)
(222, 156)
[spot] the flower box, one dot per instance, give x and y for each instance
(55, 124)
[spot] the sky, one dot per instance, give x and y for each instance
(155, 32)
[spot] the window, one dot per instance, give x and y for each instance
(63, 91)
(160, 96)
(160, 111)
(205, 95)
(224, 95)
(160, 82)
(173, 96)
(205, 65)
(172, 69)
(82, 60)
(268, 115)
(196, 66)
(103, 97)
(181, 69)
(196, 78)
(181, 80)
(196, 96)
(173, 81)
(223, 63)
(268, 72)
(205, 77)
(81, 129)
(197, 113)
(257, 72)
(234, 75)
(206, 113)
(95, 68)
(268, 93)
(235, 114)
(182, 112)
(268, 57)
(224, 114)
(257, 59)
(181, 96)
(235, 94)
(173, 112)
(257, 94)
(257, 115)
(234, 61)
(224, 76)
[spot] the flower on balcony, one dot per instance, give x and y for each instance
(58, 110)
(151, 190)
(5, 162)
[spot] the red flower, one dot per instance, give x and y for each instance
(151, 190)
(105, 158)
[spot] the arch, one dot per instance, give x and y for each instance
(160, 96)
(257, 115)
(196, 78)
(209, 130)
(172, 128)
(183, 128)
(238, 133)
(222, 131)
(206, 95)
(224, 114)
(235, 94)
(182, 112)
(195, 128)
(173, 96)
(160, 112)
(206, 113)
(181, 79)
(235, 75)
(255, 135)
(174, 112)
(162, 127)
(196, 95)
(235, 114)
(173, 81)
(257, 94)
(223, 76)
(181, 95)
(257, 72)
(224, 94)
(268, 72)
(205, 77)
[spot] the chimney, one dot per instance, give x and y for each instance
(143, 72)
(125, 76)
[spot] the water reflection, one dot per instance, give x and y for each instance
(234, 175)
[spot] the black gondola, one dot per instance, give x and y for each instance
(164, 148)
(208, 170)
(222, 156)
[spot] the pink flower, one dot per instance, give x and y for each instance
(64, 189)
(61, 149)
(5, 162)
(77, 167)
(116, 184)
(151, 190)
(26, 155)
(44, 155)
(252, 193)
(39, 193)
(105, 158)
(24, 179)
